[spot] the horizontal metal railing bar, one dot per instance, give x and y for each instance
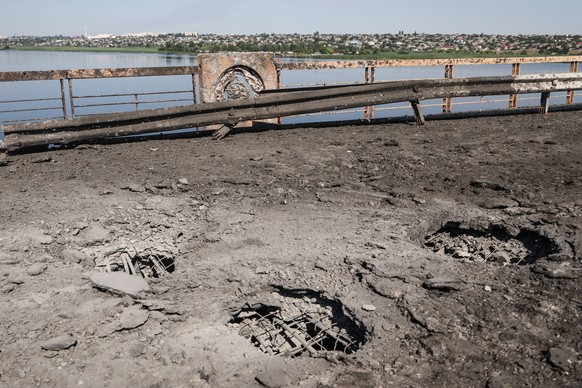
(337, 112)
(432, 105)
(166, 101)
(318, 84)
(31, 109)
(354, 64)
(106, 104)
(46, 75)
(131, 103)
(475, 102)
(402, 107)
(338, 64)
(29, 100)
(407, 79)
(132, 94)
(378, 109)
(538, 98)
(33, 120)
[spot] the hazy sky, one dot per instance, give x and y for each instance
(71, 17)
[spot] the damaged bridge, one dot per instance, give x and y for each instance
(237, 89)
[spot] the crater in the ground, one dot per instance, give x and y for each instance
(147, 263)
(298, 322)
(492, 243)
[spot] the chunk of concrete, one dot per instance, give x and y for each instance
(59, 343)
(133, 317)
(120, 283)
(77, 257)
(36, 269)
(95, 234)
(443, 283)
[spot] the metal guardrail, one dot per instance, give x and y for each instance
(370, 69)
(68, 103)
(280, 103)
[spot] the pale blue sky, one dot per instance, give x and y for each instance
(70, 17)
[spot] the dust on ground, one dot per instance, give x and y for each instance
(373, 255)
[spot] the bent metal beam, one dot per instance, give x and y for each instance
(277, 103)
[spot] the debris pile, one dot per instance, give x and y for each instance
(296, 325)
(492, 244)
(146, 258)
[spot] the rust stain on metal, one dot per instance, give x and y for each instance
(96, 73)
(355, 64)
(131, 72)
(9, 76)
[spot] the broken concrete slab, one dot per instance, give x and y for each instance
(133, 317)
(37, 269)
(108, 329)
(486, 184)
(38, 237)
(95, 233)
(443, 283)
(59, 343)
(556, 270)
(388, 288)
(561, 358)
(120, 283)
(77, 257)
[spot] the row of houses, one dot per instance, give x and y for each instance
(316, 42)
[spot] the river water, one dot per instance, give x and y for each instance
(11, 60)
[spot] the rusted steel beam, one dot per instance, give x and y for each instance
(286, 103)
(96, 73)
(355, 64)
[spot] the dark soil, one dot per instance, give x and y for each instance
(449, 254)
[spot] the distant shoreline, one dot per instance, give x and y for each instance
(379, 56)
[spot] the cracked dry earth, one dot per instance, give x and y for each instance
(373, 256)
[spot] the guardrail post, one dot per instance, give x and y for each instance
(515, 70)
(545, 103)
(194, 89)
(447, 101)
(367, 80)
(136, 102)
(420, 120)
(63, 98)
(571, 93)
(370, 78)
(71, 98)
(279, 82)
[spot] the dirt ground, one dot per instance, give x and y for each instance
(443, 255)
